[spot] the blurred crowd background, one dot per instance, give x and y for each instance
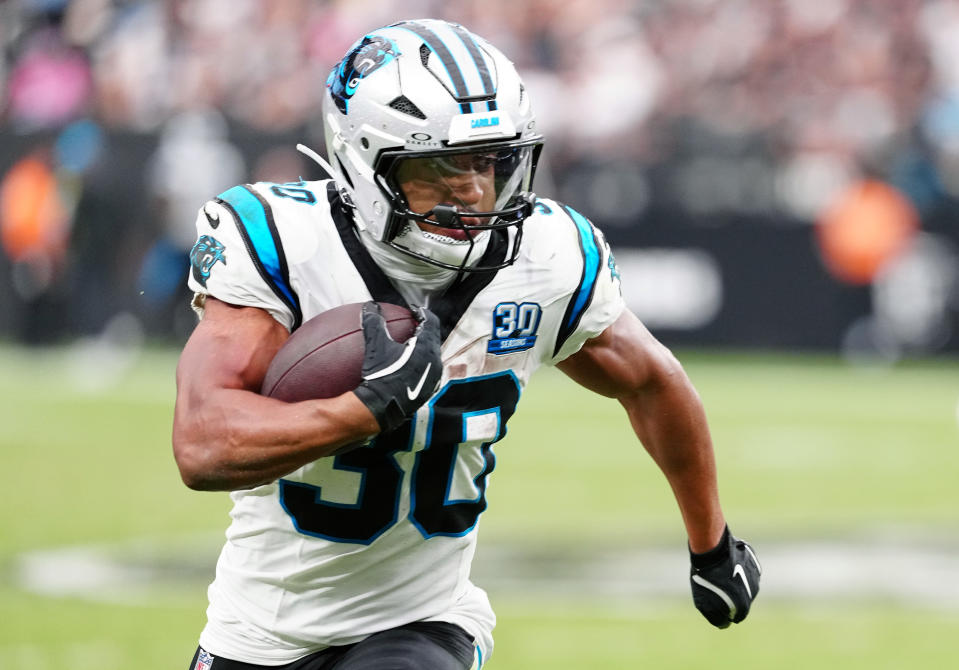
(771, 173)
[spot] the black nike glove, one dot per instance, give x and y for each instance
(398, 377)
(725, 580)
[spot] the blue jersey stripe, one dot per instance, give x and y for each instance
(591, 264)
(255, 222)
(587, 282)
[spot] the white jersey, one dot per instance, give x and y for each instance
(384, 535)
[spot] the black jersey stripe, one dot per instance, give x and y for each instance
(452, 305)
(377, 283)
(254, 220)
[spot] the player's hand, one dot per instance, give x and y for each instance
(398, 377)
(725, 580)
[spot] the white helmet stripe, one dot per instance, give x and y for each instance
(446, 58)
(465, 82)
(479, 59)
(467, 54)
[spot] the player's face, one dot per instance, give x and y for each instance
(465, 181)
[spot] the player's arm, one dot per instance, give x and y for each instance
(627, 363)
(225, 435)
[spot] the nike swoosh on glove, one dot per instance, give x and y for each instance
(725, 580)
(398, 377)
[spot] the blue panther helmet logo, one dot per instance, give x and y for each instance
(204, 255)
(366, 57)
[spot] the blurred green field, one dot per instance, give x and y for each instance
(808, 449)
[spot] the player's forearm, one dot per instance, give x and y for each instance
(237, 439)
(669, 420)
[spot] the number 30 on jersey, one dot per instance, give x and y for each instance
(514, 327)
(434, 509)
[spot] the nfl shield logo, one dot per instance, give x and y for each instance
(204, 661)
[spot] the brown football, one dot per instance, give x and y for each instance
(323, 358)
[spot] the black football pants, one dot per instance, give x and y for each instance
(416, 646)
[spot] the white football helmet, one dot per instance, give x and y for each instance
(431, 136)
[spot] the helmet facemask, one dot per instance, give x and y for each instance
(446, 204)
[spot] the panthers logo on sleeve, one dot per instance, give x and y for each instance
(205, 254)
(613, 268)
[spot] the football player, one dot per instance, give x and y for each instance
(361, 558)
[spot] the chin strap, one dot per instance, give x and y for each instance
(305, 150)
(319, 160)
